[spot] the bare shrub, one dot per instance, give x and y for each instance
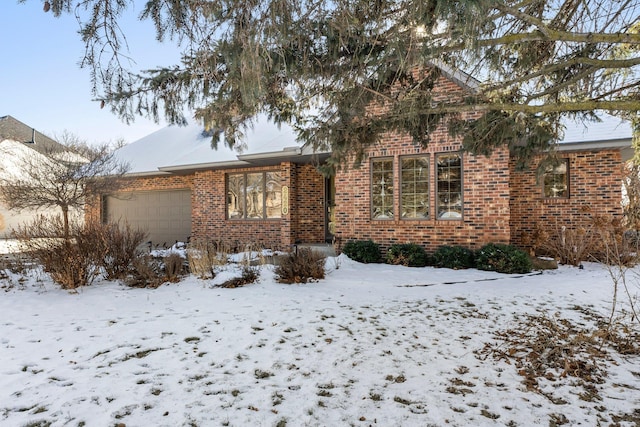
(253, 253)
(205, 256)
(71, 263)
(150, 272)
(568, 245)
(618, 254)
(146, 272)
(249, 275)
(173, 266)
(301, 266)
(591, 239)
(122, 244)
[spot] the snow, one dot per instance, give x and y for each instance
(188, 145)
(369, 345)
(13, 154)
(609, 128)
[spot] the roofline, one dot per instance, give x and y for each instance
(148, 174)
(287, 152)
(301, 154)
(458, 76)
(620, 143)
(270, 158)
(204, 166)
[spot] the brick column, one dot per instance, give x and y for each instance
(287, 231)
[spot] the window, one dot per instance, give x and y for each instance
(382, 189)
(414, 187)
(449, 186)
(254, 195)
(556, 180)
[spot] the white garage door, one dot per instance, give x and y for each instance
(165, 215)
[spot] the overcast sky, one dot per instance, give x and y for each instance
(42, 85)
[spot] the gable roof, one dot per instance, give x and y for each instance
(186, 149)
(608, 132)
(176, 149)
(15, 130)
(607, 128)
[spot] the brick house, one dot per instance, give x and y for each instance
(272, 194)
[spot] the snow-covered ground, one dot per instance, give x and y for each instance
(371, 345)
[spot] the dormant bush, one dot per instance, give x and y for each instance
(122, 244)
(205, 256)
(71, 262)
(301, 266)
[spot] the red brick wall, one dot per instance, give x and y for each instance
(595, 180)
(304, 222)
(310, 205)
(485, 200)
(485, 193)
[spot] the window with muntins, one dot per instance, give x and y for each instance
(449, 186)
(382, 189)
(256, 195)
(414, 187)
(556, 180)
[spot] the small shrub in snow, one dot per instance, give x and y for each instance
(503, 259)
(205, 256)
(301, 266)
(71, 263)
(568, 244)
(150, 272)
(455, 257)
(362, 251)
(122, 244)
(249, 275)
(173, 266)
(91, 248)
(146, 273)
(407, 254)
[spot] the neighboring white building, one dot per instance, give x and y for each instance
(17, 141)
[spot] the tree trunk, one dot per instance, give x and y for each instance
(65, 219)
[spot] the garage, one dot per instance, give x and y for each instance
(164, 215)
